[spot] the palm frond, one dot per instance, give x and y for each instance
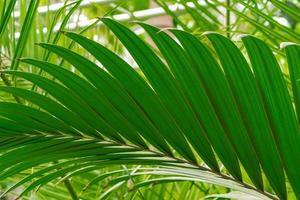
(185, 115)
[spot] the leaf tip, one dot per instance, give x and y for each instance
(136, 22)
(283, 45)
(175, 30)
(241, 36)
(206, 33)
(38, 43)
(105, 19)
(41, 44)
(170, 29)
(63, 32)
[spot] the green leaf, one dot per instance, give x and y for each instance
(278, 106)
(221, 97)
(54, 108)
(108, 85)
(6, 16)
(72, 101)
(290, 11)
(83, 120)
(137, 88)
(248, 98)
(36, 115)
(32, 10)
(101, 103)
(292, 53)
(163, 83)
(204, 114)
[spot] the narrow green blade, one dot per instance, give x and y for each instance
(221, 97)
(42, 117)
(278, 106)
(186, 75)
(32, 10)
(292, 54)
(95, 99)
(69, 99)
(54, 108)
(251, 107)
(104, 82)
(135, 86)
(293, 58)
(14, 126)
(167, 89)
(7, 15)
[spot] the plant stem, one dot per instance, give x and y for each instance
(223, 176)
(71, 189)
(228, 18)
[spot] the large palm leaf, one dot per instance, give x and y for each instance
(186, 114)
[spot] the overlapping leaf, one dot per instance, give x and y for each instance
(188, 112)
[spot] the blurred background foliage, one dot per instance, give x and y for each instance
(31, 22)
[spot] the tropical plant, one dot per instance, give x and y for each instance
(185, 119)
(273, 21)
(185, 111)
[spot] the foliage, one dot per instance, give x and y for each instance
(79, 121)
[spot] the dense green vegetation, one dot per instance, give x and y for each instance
(96, 104)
